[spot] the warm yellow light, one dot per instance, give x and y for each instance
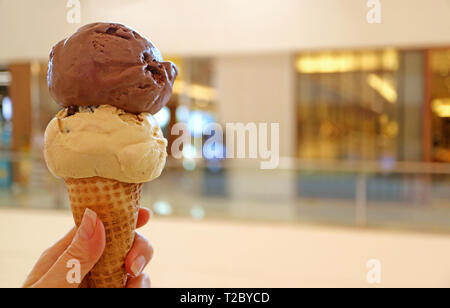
(325, 63)
(202, 92)
(369, 61)
(341, 62)
(390, 59)
(383, 87)
(194, 91)
(441, 106)
(348, 62)
(384, 119)
(178, 87)
(329, 63)
(180, 65)
(391, 129)
(440, 61)
(307, 65)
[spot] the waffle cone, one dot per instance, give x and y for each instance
(117, 206)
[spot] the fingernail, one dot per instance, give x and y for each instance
(88, 224)
(138, 265)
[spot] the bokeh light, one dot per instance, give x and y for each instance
(197, 212)
(162, 208)
(189, 164)
(7, 108)
(163, 116)
(182, 113)
(189, 151)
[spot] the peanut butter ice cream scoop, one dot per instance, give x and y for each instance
(107, 142)
(108, 63)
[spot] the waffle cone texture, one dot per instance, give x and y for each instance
(117, 205)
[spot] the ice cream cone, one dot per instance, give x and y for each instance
(105, 143)
(117, 205)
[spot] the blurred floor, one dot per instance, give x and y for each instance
(212, 253)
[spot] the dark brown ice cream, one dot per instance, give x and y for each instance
(107, 63)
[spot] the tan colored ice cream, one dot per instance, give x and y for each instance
(107, 142)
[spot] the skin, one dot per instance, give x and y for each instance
(50, 270)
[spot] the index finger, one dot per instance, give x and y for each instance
(143, 217)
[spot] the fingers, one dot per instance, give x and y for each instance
(49, 257)
(140, 254)
(144, 216)
(85, 250)
(142, 281)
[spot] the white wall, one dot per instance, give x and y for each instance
(258, 89)
(29, 28)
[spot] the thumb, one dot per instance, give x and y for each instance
(80, 257)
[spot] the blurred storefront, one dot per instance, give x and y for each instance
(439, 102)
(363, 111)
(385, 107)
(373, 105)
(378, 105)
(5, 129)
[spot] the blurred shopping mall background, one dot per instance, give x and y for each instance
(364, 113)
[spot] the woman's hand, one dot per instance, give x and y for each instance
(86, 244)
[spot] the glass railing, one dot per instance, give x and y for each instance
(412, 196)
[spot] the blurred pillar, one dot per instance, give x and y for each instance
(427, 120)
(20, 93)
(172, 105)
(259, 89)
(411, 98)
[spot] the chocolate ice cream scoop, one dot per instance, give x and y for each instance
(108, 63)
